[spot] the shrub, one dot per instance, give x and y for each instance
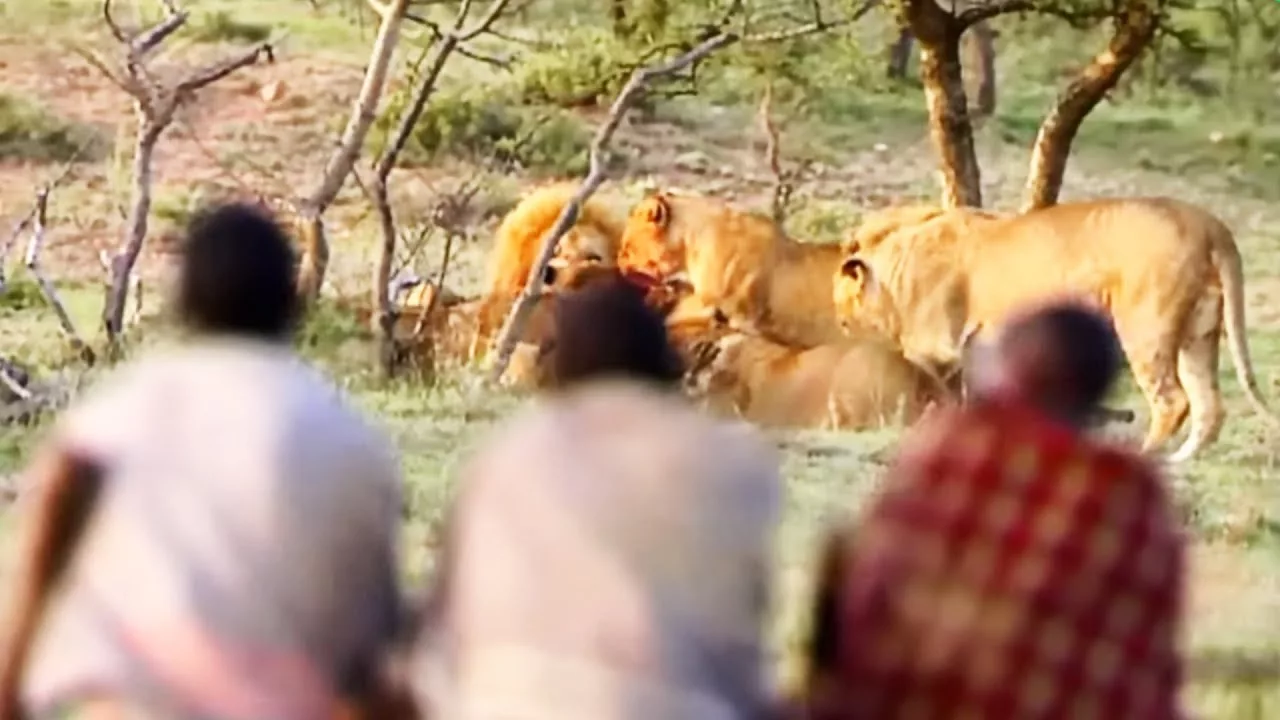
(221, 26)
(487, 123)
(588, 68)
(29, 132)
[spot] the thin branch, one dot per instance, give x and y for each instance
(215, 72)
(150, 39)
(110, 20)
(25, 223)
(782, 185)
(32, 262)
(505, 342)
(419, 327)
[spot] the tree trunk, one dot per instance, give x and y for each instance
(938, 34)
(982, 52)
(149, 131)
(1134, 30)
(314, 262)
(900, 56)
(949, 124)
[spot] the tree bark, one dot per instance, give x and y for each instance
(149, 131)
(900, 56)
(982, 47)
(1135, 28)
(314, 263)
(938, 34)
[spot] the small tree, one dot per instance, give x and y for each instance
(939, 32)
(1135, 23)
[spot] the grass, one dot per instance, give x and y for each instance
(29, 132)
(835, 110)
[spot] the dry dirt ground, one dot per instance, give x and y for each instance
(229, 141)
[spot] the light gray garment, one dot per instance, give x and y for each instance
(243, 500)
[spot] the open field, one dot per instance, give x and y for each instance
(867, 143)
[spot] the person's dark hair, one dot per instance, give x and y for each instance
(1079, 347)
(607, 330)
(237, 274)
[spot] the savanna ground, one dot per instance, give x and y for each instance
(863, 136)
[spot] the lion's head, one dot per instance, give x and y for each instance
(649, 243)
(861, 302)
(594, 238)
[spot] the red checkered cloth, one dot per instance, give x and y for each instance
(1014, 569)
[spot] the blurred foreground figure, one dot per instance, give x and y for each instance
(219, 527)
(1013, 568)
(608, 554)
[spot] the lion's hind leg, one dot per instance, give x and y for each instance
(1198, 374)
(1153, 361)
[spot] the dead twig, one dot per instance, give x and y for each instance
(155, 105)
(505, 342)
(10, 380)
(25, 223)
(783, 180)
(32, 262)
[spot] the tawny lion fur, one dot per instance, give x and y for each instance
(518, 240)
(736, 262)
(855, 383)
(519, 237)
(1167, 272)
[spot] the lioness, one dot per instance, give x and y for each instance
(736, 263)
(852, 384)
(1166, 271)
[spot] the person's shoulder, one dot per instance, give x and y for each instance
(117, 402)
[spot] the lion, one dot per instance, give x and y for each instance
(739, 264)
(855, 383)
(593, 239)
(519, 237)
(1167, 272)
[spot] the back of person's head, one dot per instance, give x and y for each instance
(237, 274)
(606, 330)
(1066, 351)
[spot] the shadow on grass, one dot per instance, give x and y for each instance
(1237, 668)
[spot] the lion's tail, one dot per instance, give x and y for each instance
(1226, 257)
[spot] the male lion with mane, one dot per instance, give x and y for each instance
(519, 237)
(518, 240)
(1167, 272)
(738, 264)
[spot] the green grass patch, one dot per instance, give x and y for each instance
(30, 132)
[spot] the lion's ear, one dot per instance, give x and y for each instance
(857, 270)
(659, 211)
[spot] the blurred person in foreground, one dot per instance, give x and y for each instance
(219, 528)
(1013, 568)
(608, 553)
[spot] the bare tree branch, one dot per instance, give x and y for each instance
(315, 251)
(782, 180)
(10, 381)
(450, 41)
(155, 105)
(505, 342)
(215, 72)
(32, 215)
(32, 261)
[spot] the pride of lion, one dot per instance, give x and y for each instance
(873, 331)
